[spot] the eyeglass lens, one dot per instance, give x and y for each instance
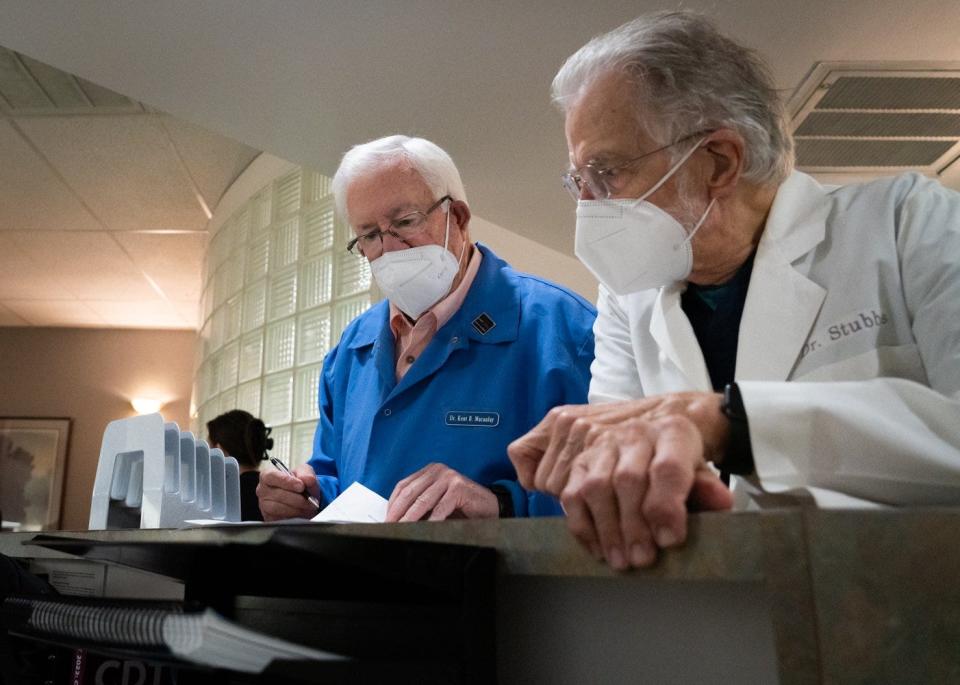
(370, 244)
(589, 177)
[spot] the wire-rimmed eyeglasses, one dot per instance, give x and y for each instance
(604, 181)
(370, 244)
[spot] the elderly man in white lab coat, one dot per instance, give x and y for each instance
(751, 321)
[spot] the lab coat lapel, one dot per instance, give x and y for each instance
(673, 333)
(782, 304)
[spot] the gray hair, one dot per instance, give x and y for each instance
(688, 77)
(429, 160)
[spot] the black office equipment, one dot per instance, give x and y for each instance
(403, 611)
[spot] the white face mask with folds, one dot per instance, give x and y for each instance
(417, 278)
(632, 245)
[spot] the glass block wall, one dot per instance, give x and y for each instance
(278, 289)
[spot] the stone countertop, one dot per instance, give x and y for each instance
(855, 595)
(720, 545)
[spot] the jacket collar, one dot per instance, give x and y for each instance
(492, 293)
(673, 333)
(493, 297)
(781, 303)
(371, 325)
(798, 218)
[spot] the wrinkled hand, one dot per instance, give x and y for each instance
(281, 494)
(442, 493)
(626, 471)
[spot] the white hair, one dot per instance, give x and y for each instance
(688, 77)
(428, 159)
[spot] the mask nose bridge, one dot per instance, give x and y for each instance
(389, 233)
(585, 192)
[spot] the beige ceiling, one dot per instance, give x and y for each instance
(305, 80)
(102, 203)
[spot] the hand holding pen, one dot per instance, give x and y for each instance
(283, 494)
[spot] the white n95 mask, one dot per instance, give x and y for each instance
(632, 245)
(416, 278)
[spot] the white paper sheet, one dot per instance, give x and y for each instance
(356, 504)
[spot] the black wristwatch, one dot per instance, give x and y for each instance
(738, 458)
(504, 500)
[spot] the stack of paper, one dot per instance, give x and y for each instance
(211, 640)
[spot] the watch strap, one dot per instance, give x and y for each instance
(738, 458)
(504, 500)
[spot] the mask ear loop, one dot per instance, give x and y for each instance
(700, 223)
(446, 239)
(670, 173)
(446, 235)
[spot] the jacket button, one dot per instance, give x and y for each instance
(454, 340)
(387, 412)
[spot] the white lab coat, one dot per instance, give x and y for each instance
(849, 347)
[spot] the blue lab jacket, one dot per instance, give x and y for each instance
(518, 346)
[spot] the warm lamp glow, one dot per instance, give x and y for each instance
(146, 405)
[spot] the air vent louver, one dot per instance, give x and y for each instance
(862, 120)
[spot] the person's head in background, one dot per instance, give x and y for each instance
(242, 436)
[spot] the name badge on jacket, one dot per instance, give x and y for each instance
(473, 419)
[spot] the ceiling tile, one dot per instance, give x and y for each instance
(61, 88)
(214, 160)
(123, 167)
(32, 198)
(173, 260)
(23, 279)
(8, 318)
(16, 86)
(104, 97)
(55, 312)
(144, 314)
(90, 266)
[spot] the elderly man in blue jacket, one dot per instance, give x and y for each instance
(425, 390)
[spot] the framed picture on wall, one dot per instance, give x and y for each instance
(33, 454)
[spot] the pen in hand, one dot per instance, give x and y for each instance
(283, 467)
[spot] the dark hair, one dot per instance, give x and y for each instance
(241, 436)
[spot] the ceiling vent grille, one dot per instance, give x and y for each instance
(854, 121)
